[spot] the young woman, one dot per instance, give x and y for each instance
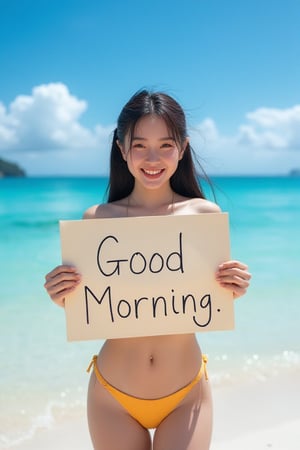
(160, 381)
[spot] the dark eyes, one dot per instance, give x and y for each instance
(165, 145)
(138, 146)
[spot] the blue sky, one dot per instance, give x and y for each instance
(67, 67)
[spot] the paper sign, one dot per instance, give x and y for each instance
(147, 276)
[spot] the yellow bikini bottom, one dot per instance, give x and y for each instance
(149, 412)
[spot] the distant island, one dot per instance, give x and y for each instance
(10, 169)
(295, 173)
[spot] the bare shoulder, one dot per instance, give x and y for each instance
(205, 206)
(105, 211)
(197, 206)
(97, 211)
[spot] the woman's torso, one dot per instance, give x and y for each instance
(151, 367)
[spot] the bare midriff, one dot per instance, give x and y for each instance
(145, 367)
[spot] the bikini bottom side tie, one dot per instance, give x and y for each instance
(149, 412)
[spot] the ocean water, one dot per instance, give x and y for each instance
(42, 377)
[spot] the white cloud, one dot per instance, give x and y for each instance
(271, 128)
(49, 119)
(207, 129)
(268, 142)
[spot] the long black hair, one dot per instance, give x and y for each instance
(185, 180)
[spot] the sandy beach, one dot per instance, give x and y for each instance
(259, 415)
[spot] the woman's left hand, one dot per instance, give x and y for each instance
(234, 275)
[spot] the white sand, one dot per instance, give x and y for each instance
(256, 416)
(282, 437)
(264, 415)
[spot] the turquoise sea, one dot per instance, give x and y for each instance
(42, 377)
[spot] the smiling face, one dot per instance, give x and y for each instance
(152, 154)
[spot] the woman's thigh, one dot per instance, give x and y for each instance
(189, 426)
(110, 425)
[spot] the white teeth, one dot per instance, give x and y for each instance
(152, 172)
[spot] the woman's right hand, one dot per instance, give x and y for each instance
(60, 282)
